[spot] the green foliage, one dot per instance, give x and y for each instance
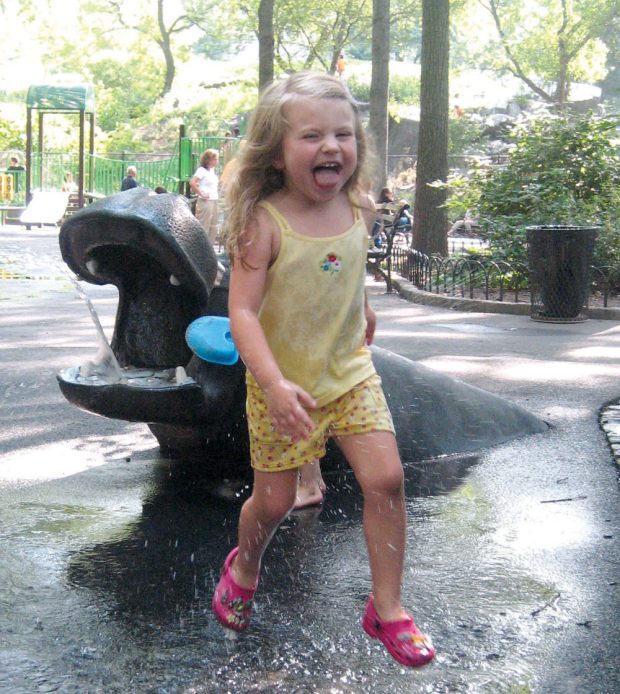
(464, 133)
(360, 88)
(124, 138)
(12, 136)
(404, 90)
(463, 192)
(563, 170)
(126, 90)
(212, 117)
(547, 45)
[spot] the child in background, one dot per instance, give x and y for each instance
(68, 184)
(297, 230)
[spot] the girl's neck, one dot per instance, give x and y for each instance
(312, 218)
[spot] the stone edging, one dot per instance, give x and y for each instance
(411, 293)
(609, 419)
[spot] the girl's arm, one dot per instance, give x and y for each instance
(371, 320)
(286, 401)
(369, 213)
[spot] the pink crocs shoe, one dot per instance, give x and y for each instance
(232, 604)
(404, 641)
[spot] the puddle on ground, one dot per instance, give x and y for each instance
(115, 595)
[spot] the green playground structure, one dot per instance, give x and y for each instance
(96, 176)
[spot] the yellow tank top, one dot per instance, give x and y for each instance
(313, 309)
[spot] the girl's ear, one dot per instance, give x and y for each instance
(278, 160)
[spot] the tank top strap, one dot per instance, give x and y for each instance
(357, 210)
(283, 225)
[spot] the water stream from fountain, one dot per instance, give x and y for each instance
(106, 356)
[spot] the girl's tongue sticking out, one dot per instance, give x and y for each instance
(327, 175)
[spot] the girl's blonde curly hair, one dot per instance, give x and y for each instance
(255, 176)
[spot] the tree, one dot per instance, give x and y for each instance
(561, 44)
(265, 43)
(159, 28)
(379, 85)
(429, 217)
(312, 35)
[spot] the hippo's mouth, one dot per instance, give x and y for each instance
(158, 256)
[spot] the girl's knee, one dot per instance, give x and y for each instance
(388, 482)
(275, 507)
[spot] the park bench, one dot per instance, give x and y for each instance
(379, 260)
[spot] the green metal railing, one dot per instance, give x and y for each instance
(107, 174)
(103, 175)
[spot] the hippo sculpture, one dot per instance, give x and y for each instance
(156, 253)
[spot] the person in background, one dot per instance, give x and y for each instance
(230, 167)
(465, 226)
(14, 165)
(341, 65)
(130, 181)
(404, 218)
(386, 196)
(204, 183)
(296, 233)
(68, 184)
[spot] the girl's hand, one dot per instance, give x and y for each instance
(371, 324)
(286, 403)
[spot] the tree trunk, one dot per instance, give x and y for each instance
(379, 84)
(265, 43)
(165, 46)
(430, 223)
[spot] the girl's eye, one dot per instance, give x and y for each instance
(344, 134)
(310, 136)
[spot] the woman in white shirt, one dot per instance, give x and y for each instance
(204, 183)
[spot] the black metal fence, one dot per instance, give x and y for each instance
(491, 280)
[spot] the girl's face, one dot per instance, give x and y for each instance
(212, 161)
(319, 149)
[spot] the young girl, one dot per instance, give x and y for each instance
(204, 183)
(297, 234)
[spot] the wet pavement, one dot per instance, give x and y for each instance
(109, 553)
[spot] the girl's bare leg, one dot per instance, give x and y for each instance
(375, 461)
(273, 497)
(311, 486)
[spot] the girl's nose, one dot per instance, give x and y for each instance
(330, 143)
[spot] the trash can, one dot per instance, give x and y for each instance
(559, 262)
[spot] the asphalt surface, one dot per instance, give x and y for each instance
(514, 554)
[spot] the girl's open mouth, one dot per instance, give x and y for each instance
(327, 175)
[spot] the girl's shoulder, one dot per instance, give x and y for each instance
(263, 236)
(366, 205)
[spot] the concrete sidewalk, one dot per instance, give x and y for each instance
(519, 561)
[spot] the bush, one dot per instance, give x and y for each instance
(562, 171)
(11, 136)
(465, 133)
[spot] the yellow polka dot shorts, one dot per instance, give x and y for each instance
(359, 411)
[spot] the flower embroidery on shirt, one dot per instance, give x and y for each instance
(331, 263)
